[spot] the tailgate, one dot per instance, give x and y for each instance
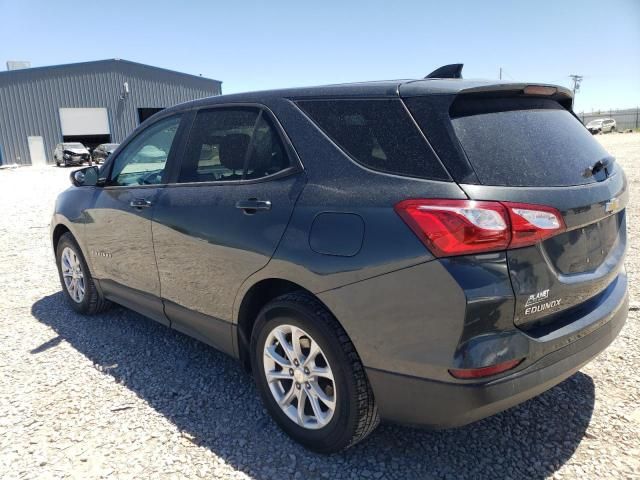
(552, 278)
(508, 146)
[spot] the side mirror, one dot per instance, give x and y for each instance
(85, 177)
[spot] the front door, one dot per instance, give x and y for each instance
(223, 219)
(118, 225)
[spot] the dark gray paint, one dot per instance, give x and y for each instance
(30, 99)
(411, 317)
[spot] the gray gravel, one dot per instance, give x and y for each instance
(120, 396)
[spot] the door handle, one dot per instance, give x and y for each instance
(252, 205)
(140, 203)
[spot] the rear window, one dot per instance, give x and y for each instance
(378, 134)
(541, 146)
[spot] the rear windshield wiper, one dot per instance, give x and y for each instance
(604, 164)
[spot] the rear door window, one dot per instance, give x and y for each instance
(520, 146)
(228, 144)
(378, 134)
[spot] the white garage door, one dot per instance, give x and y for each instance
(84, 121)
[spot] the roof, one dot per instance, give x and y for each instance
(384, 88)
(26, 71)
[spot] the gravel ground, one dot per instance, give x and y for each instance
(121, 396)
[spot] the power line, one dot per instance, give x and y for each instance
(576, 82)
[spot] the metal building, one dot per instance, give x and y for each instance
(92, 103)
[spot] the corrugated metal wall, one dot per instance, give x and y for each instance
(30, 99)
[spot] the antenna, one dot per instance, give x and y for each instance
(448, 71)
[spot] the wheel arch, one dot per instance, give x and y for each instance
(58, 231)
(255, 298)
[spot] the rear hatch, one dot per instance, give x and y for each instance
(502, 144)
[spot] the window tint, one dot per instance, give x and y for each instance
(267, 153)
(231, 144)
(378, 134)
(143, 160)
(528, 147)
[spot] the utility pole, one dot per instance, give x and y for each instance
(576, 83)
(500, 73)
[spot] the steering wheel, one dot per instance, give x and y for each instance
(151, 178)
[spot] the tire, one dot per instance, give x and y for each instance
(355, 414)
(91, 301)
(57, 163)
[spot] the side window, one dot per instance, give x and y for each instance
(378, 134)
(143, 160)
(231, 144)
(267, 155)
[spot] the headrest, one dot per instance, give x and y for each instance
(261, 156)
(362, 143)
(233, 150)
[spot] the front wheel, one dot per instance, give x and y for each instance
(310, 376)
(75, 278)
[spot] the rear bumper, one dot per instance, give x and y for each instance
(418, 401)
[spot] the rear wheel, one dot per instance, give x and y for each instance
(75, 278)
(310, 376)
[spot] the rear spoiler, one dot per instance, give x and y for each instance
(562, 95)
(456, 87)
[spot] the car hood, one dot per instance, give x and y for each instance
(76, 151)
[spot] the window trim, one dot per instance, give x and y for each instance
(295, 164)
(182, 115)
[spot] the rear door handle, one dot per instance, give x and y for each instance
(252, 205)
(140, 203)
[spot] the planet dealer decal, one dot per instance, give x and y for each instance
(537, 302)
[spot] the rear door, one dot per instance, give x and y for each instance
(222, 217)
(516, 148)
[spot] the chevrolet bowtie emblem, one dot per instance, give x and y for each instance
(612, 205)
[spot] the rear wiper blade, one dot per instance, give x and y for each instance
(604, 164)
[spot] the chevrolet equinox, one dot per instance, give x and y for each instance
(427, 252)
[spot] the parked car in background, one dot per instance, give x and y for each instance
(427, 252)
(102, 151)
(601, 125)
(66, 154)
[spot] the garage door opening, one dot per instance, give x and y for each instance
(89, 126)
(144, 113)
(89, 141)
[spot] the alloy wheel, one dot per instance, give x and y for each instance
(72, 274)
(299, 377)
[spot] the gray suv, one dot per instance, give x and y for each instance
(427, 252)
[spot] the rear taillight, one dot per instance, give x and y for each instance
(531, 224)
(462, 227)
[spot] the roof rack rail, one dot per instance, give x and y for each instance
(448, 71)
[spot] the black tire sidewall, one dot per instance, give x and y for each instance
(67, 241)
(342, 426)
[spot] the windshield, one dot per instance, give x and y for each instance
(111, 146)
(595, 122)
(73, 145)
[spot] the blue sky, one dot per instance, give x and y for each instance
(252, 45)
